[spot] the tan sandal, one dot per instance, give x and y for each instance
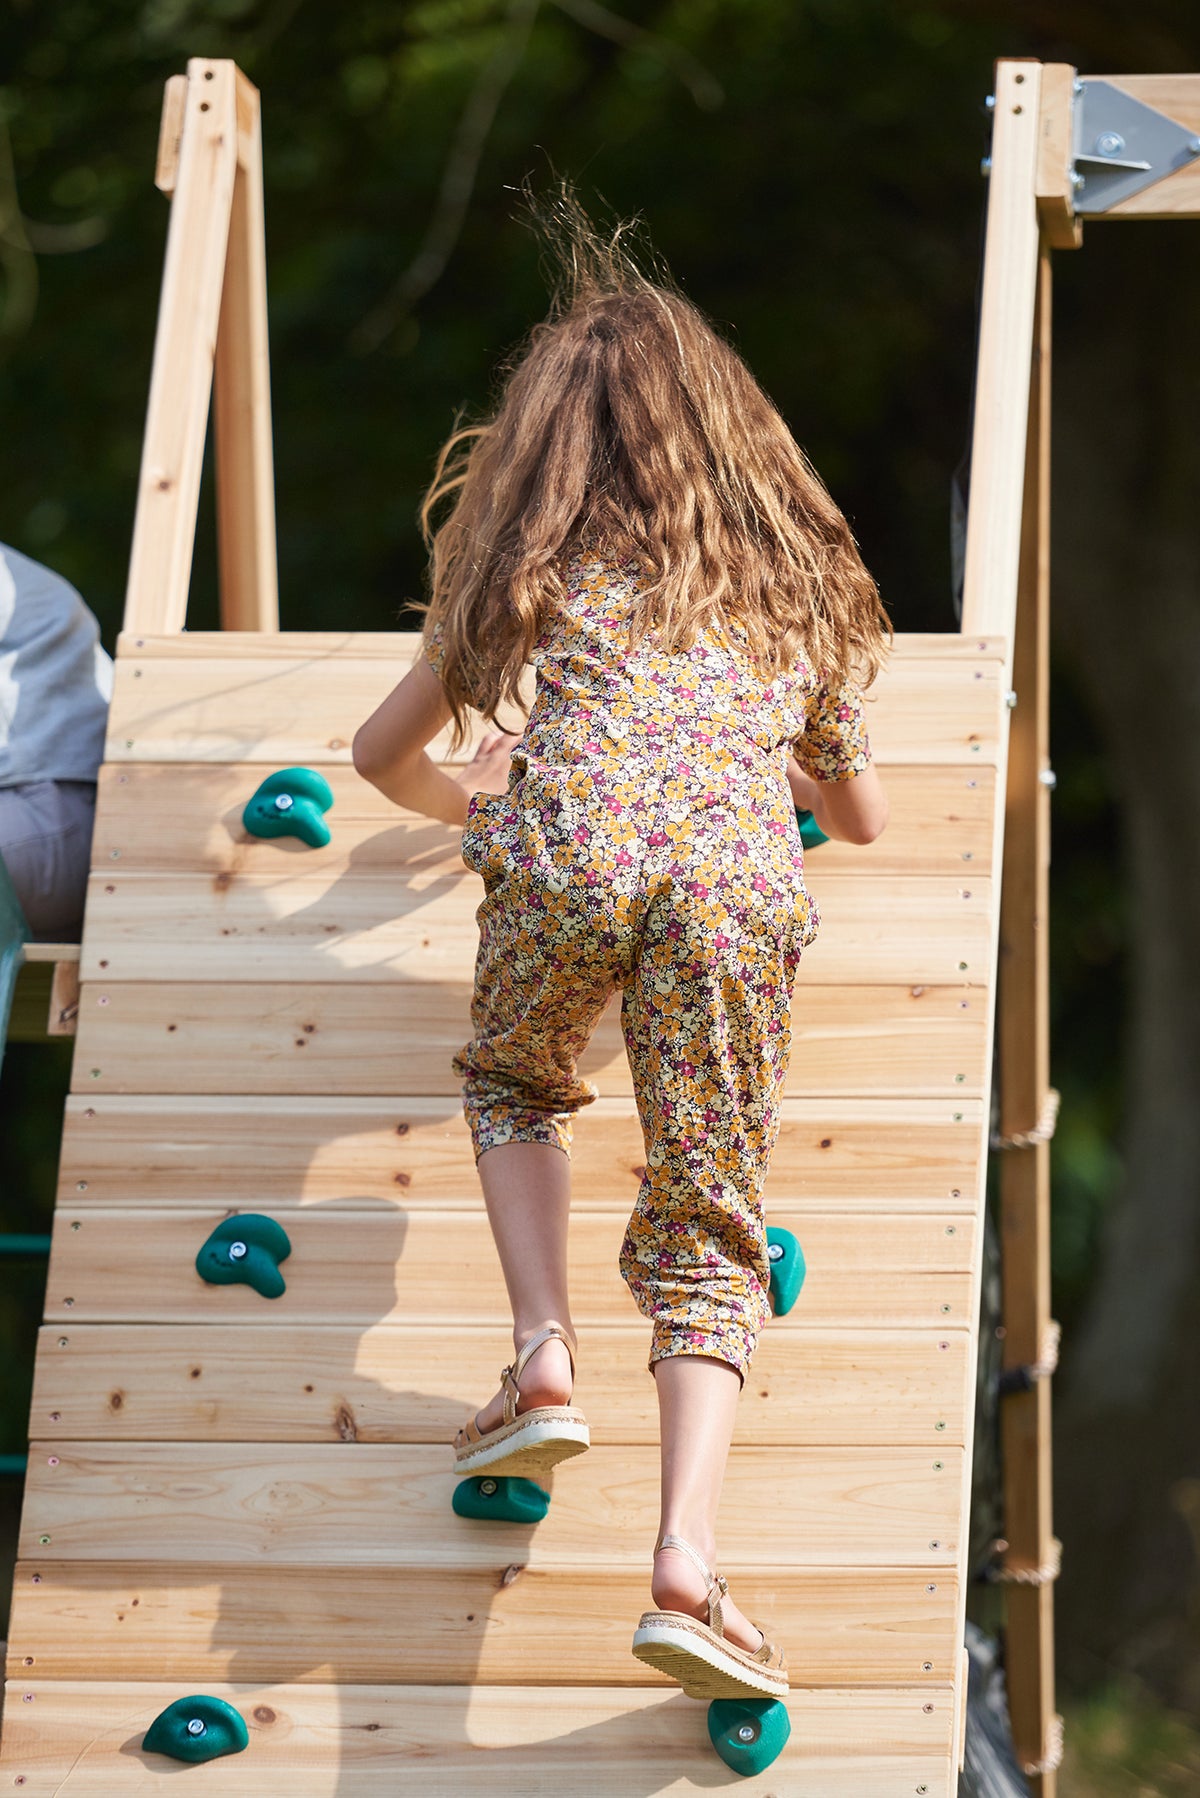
(531, 1444)
(698, 1655)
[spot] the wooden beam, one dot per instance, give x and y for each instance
(1002, 374)
(1023, 1066)
(181, 379)
(170, 132)
(245, 478)
(1056, 159)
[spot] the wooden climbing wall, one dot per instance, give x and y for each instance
(252, 1498)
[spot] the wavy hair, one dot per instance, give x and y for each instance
(624, 425)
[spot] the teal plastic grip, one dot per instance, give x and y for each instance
(748, 1733)
(811, 833)
(500, 1500)
(787, 1270)
(291, 803)
(196, 1729)
(246, 1251)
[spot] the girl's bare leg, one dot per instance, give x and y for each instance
(527, 1190)
(697, 1404)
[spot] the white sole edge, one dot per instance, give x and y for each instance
(541, 1445)
(732, 1678)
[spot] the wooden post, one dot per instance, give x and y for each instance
(245, 477)
(1023, 1049)
(1005, 342)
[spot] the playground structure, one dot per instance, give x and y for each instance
(249, 1496)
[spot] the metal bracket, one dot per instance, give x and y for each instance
(1121, 145)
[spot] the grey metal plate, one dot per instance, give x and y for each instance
(1112, 131)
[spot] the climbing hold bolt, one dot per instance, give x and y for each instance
(246, 1251)
(291, 803)
(195, 1729)
(787, 1270)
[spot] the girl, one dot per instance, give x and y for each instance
(637, 521)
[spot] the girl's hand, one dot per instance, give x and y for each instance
(488, 769)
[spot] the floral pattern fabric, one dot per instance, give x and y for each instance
(647, 843)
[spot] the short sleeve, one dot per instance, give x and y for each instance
(834, 744)
(433, 645)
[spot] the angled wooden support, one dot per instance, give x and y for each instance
(212, 309)
(1023, 1052)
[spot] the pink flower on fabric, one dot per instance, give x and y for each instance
(721, 940)
(759, 883)
(581, 834)
(657, 838)
(624, 859)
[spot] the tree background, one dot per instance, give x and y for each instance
(810, 170)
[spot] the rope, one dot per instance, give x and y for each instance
(1052, 1753)
(1032, 1576)
(1042, 1131)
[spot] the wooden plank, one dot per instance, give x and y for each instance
(170, 131)
(416, 927)
(177, 416)
(178, 817)
(243, 466)
(318, 1740)
(301, 646)
(52, 952)
(284, 1383)
(1002, 370)
(378, 1505)
(864, 1041)
(1177, 195)
(1023, 1052)
(279, 1153)
(559, 1625)
(63, 1015)
(284, 708)
(360, 1267)
(1055, 189)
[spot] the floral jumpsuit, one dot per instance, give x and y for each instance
(648, 843)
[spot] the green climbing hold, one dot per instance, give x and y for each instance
(246, 1251)
(810, 831)
(748, 1733)
(500, 1500)
(197, 1729)
(291, 803)
(787, 1270)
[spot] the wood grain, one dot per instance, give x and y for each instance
(383, 1505)
(355, 1741)
(302, 1383)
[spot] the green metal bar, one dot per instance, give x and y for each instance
(28, 1248)
(12, 1467)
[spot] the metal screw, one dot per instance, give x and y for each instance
(1109, 143)
(114, 855)
(68, 1302)
(959, 1078)
(748, 1732)
(921, 1790)
(989, 101)
(957, 1115)
(931, 1587)
(945, 1313)
(28, 1698)
(1010, 698)
(928, 1709)
(1193, 145)
(968, 855)
(926, 1666)
(236, 1251)
(77, 1226)
(51, 1460)
(951, 1229)
(1078, 181)
(1048, 778)
(985, 167)
(196, 1727)
(939, 1425)
(284, 802)
(962, 967)
(488, 1488)
(63, 1341)
(775, 1252)
(45, 1541)
(1078, 86)
(81, 1186)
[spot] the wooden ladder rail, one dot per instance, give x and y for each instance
(212, 322)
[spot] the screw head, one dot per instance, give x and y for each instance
(236, 1251)
(489, 1488)
(939, 1425)
(196, 1727)
(748, 1732)
(989, 101)
(1048, 778)
(1109, 143)
(775, 1252)
(1078, 181)
(985, 166)
(284, 802)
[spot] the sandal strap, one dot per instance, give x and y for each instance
(509, 1376)
(717, 1583)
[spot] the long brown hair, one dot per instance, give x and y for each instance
(625, 425)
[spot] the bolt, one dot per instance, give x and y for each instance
(488, 1488)
(195, 1727)
(236, 1251)
(985, 167)
(1048, 778)
(1078, 86)
(775, 1252)
(1109, 143)
(748, 1732)
(284, 802)
(989, 101)
(1193, 145)
(1010, 699)
(1078, 181)
(926, 1666)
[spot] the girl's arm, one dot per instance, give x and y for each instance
(854, 810)
(389, 751)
